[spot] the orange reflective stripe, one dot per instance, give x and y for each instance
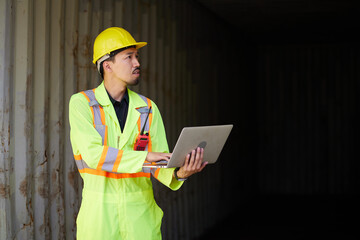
(149, 145)
(156, 173)
(102, 158)
(92, 110)
(87, 98)
(148, 102)
(150, 121)
(106, 134)
(102, 115)
(93, 114)
(110, 174)
(151, 114)
(117, 161)
(139, 124)
(114, 175)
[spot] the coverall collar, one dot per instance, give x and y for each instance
(102, 97)
(135, 102)
(125, 98)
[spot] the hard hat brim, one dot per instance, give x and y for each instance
(140, 44)
(136, 44)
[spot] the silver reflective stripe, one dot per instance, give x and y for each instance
(153, 170)
(108, 166)
(143, 98)
(146, 170)
(110, 159)
(112, 153)
(143, 115)
(91, 95)
(95, 105)
(81, 164)
(101, 129)
(97, 115)
(93, 102)
(144, 110)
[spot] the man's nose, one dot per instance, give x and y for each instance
(136, 63)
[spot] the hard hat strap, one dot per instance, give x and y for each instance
(99, 62)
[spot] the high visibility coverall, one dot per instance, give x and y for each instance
(117, 198)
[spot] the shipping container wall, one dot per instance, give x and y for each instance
(45, 57)
(307, 111)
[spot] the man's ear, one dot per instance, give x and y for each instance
(106, 66)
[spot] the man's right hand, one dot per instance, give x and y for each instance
(156, 156)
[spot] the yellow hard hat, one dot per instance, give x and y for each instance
(112, 39)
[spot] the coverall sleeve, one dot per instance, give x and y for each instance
(159, 144)
(87, 142)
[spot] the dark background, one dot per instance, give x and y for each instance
(289, 84)
(284, 72)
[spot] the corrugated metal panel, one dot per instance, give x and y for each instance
(5, 107)
(45, 57)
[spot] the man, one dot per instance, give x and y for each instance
(106, 123)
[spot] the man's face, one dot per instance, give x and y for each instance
(126, 67)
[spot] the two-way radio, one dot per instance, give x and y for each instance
(143, 139)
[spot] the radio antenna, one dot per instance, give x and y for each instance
(143, 128)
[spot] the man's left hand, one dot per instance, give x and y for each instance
(193, 164)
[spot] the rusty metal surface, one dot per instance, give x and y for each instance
(45, 57)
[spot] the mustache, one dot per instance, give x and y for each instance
(136, 69)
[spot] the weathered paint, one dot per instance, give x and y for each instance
(5, 109)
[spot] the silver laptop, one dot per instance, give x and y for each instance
(211, 138)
